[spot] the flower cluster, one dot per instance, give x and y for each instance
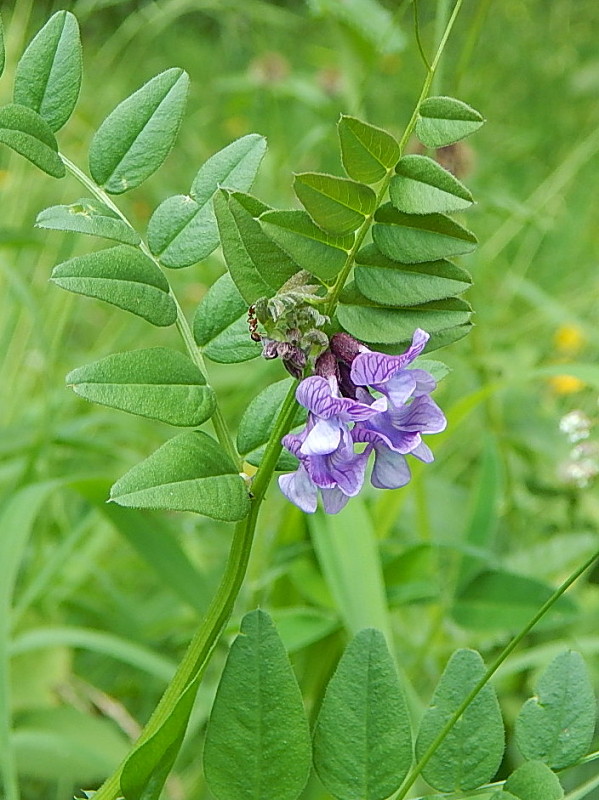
(390, 425)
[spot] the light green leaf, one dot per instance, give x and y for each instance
(135, 138)
(48, 75)
(366, 19)
(188, 473)
(336, 205)
(183, 229)
(367, 152)
(301, 626)
(445, 120)
(414, 238)
(122, 276)
(557, 724)
(88, 216)
(472, 751)
(220, 325)
(388, 282)
(24, 131)
(312, 249)
(422, 186)
(533, 780)
(258, 741)
(362, 739)
(438, 339)
(158, 383)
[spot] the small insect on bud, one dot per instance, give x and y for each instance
(253, 324)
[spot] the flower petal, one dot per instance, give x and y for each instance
(298, 487)
(323, 438)
(371, 367)
(391, 470)
(400, 387)
(423, 415)
(424, 453)
(333, 500)
(425, 383)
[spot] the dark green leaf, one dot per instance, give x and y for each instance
(158, 383)
(183, 229)
(362, 739)
(534, 781)
(337, 205)
(258, 741)
(422, 186)
(472, 751)
(389, 282)
(188, 473)
(122, 276)
(135, 138)
(367, 152)
(439, 339)
(557, 724)
(220, 324)
(23, 130)
(48, 75)
(414, 238)
(88, 216)
(444, 120)
(311, 248)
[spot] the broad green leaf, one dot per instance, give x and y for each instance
(258, 421)
(501, 601)
(319, 253)
(183, 229)
(472, 751)
(414, 238)
(257, 265)
(438, 339)
(48, 75)
(422, 186)
(135, 138)
(24, 131)
(336, 205)
(258, 741)
(501, 795)
(362, 739)
(2, 47)
(220, 325)
(158, 383)
(188, 473)
(557, 724)
(533, 780)
(122, 276)
(391, 283)
(367, 152)
(445, 120)
(88, 216)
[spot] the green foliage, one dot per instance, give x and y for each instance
(367, 152)
(23, 130)
(88, 215)
(534, 781)
(337, 205)
(421, 186)
(445, 120)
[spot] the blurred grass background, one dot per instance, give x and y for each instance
(103, 605)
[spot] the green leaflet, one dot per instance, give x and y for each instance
(220, 325)
(367, 152)
(135, 138)
(189, 473)
(444, 120)
(90, 216)
(257, 265)
(391, 283)
(337, 205)
(362, 738)
(24, 131)
(158, 383)
(48, 75)
(183, 229)
(472, 751)
(414, 238)
(258, 740)
(557, 724)
(422, 186)
(534, 780)
(122, 276)
(319, 253)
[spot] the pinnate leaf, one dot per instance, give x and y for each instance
(533, 780)
(445, 120)
(557, 724)
(472, 751)
(189, 473)
(362, 739)
(122, 276)
(337, 205)
(88, 216)
(258, 740)
(421, 186)
(367, 152)
(48, 75)
(159, 383)
(24, 131)
(135, 138)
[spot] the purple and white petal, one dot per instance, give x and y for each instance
(381, 429)
(349, 473)
(298, 487)
(323, 438)
(425, 383)
(391, 469)
(333, 500)
(422, 415)
(371, 367)
(424, 453)
(400, 387)
(315, 394)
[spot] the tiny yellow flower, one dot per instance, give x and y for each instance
(566, 384)
(568, 339)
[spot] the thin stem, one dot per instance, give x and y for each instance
(418, 39)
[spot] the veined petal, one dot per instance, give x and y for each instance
(400, 387)
(315, 394)
(323, 438)
(333, 500)
(371, 367)
(348, 473)
(382, 430)
(298, 487)
(425, 383)
(423, 415)
(391, 470)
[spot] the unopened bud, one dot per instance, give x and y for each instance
(345, 347)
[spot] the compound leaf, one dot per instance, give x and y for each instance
(23, 130)
(421, 186)
(337, 205)
(88, 216)
(367, 152)
(445, 120)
